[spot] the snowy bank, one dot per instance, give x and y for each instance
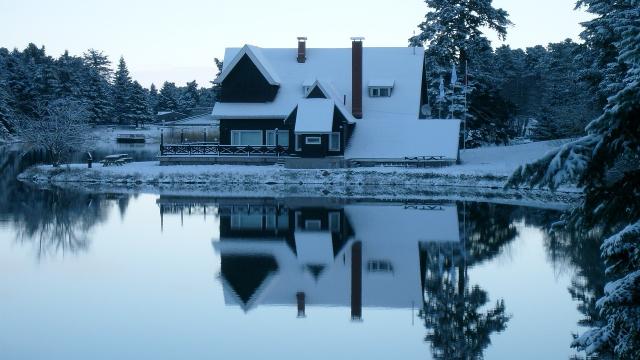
(483, 170)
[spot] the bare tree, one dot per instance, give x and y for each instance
(60, 128)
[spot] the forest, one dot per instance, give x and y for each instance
(538, 93)
(31, 78)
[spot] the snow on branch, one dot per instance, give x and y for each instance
(564, 165)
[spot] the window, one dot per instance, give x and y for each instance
(334, 141)
(246, 221)
(313, 140)
(379, 266)
(283, 137)
(246, 137)
(380, 91)
(334, 221)
(312, 225)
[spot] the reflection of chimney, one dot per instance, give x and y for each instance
(300, 300)
(302, 49)
(356, 77)
(356, 281)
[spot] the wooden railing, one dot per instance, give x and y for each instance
(223, 150)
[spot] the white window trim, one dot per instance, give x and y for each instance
(282, 134)
(308, 138)
(239, 132)
(375, 91)
(332, 145)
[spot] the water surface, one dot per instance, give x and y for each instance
(104, 276)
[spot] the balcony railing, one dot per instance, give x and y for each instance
(223, 150)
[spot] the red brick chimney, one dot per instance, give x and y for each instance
(356, 77)
(302, 49)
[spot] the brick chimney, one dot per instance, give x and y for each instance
(302, 49)
(356, 77)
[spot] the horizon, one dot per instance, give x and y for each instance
(188, 60)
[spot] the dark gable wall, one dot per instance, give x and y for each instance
(245, 83)
(316, 93)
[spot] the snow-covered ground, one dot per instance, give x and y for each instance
(484, 168)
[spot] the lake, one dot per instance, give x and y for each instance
(92, 275)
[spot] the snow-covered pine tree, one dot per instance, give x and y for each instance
(5, 112)
(606, 162)
(97, 74)
(121, 93)
(189, 97)
(98, 97)
(168, 100)
(98, 61)
(452, 34)
(152, 99)
(139, 112)
(69, 72)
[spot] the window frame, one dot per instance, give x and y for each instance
(332, 142)
(239, 137)
(307, 138)
(282, 134)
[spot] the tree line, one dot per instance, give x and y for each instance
(539, 93)
(31, 78)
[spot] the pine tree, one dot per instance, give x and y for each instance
(168, 100)
(69, 73)
(139, 111)
(606, 162)
(100, 62)
(153, 99)
(6, 113)
(189, 97)
(452, 34)
(122, 92)
(98, 89)
(98, 97)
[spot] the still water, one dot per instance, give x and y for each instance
(114, 276)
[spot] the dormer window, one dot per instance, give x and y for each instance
(380, 88)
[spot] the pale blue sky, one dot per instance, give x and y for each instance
(177, 40)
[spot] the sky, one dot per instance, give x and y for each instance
(178, 40)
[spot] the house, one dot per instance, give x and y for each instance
(338, 105)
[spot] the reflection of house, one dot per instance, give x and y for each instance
(358, 255)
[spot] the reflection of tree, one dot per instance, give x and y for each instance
(486, 229)
(54, 221)
(457, 328)
(458, 322)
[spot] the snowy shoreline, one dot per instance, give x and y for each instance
(208, 180)
(483, 173)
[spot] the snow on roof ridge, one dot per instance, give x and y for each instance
(259, 60)
(328, 88)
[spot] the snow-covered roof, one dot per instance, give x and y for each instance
(381, 83)
(404, 137)
(314, 116)
(333, 66)
(257, 57)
